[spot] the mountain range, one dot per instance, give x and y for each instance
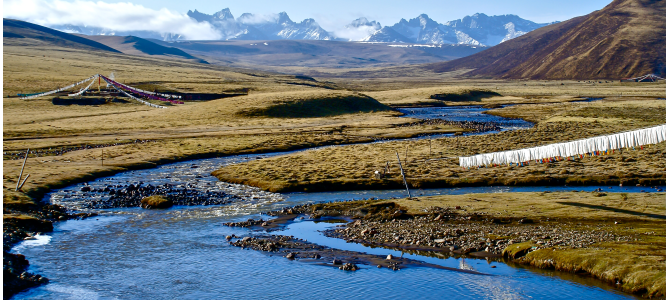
(274, 55)
(627, 38)
(477, 30)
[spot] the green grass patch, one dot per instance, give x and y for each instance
(518, 250)
(319, 107)
(467, 95)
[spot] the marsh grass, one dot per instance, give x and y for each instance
(637, 265)
(432, 164)
(220, 127)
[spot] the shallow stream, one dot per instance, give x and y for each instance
(181, 252)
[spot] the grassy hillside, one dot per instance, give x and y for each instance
(624, 39)
(17, 30)
(138, 46)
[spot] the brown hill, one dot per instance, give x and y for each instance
(624, 39)
(138, 46)
(17, 32)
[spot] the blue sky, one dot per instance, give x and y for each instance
(389, 12)
(170, 16)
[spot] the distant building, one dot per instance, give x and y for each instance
(644, 78)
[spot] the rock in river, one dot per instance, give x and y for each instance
(156, 201)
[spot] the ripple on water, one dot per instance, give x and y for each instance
(181, 252)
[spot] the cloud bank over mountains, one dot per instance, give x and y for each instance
(121, 17)
(100, 18)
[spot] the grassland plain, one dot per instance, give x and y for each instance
(64, 140)
(631, 258)
(434, 163)
(136, 136)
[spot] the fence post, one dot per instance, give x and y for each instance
(21, 174)
(402, 172)
(24, 181)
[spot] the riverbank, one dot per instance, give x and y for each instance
(618, 238)
(52, 169)
(74, 144)
(434, 163)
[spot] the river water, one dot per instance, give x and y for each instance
(181, 252)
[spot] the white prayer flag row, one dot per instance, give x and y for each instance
(84, 89)
(594, 145)
(148, 92)
(131, 96)
(60, 89)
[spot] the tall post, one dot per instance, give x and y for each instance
(21, 174)
(402, 172)
(24, 181)
(102, 157)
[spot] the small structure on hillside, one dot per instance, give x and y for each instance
(643, 78)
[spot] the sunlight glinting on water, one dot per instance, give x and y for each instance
(133, 253)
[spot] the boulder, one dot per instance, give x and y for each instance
(156, 201)
(349, 267)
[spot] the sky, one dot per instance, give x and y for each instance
(170, 16)
(388, 12)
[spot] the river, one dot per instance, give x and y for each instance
(181, 252)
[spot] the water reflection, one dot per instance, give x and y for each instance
(181, 252)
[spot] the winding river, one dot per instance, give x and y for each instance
(181, 253)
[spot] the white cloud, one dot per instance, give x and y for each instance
(252, 19)
(123, 16)
(355, 33)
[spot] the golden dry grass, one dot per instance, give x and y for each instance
(196, 129)
(215, 128)
(434, 164)
(638, 265)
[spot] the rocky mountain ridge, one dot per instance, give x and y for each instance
(477, 30)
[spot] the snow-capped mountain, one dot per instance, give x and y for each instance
(363, 22)
(493, 30)
(478, 29)
(253, 27)
(424, 30)
(387, 35)
(358, 30)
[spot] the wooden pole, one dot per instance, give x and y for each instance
(402, 172)
(24, 181)
(102, 157)
(21, 174)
